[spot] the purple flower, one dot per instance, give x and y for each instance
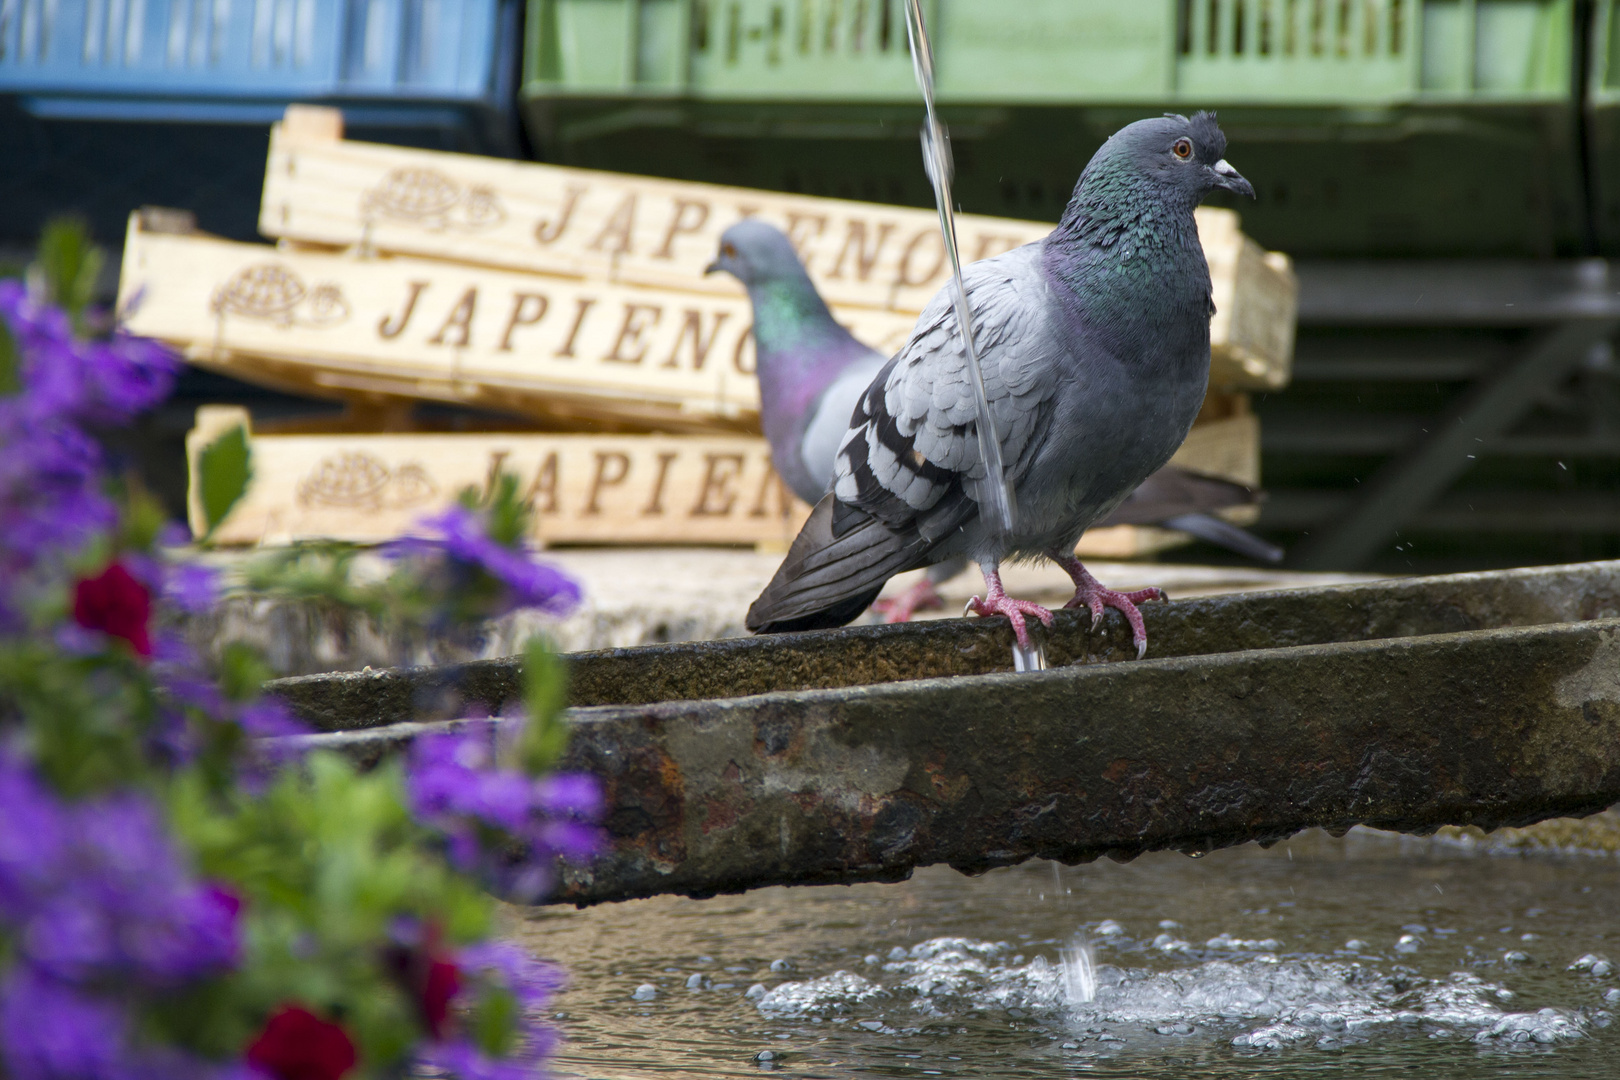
(52, 1031)
(464, 539)
(51, 499)
(49, 1031)
(97, 382)
(531, 981)
(456, 788)
(574, 794)
(191, 588)
(96, 890)
(270, 718)
(461, 1059)
(33, 838)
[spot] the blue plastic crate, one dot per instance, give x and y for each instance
(406, 63)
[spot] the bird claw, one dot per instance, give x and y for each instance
(1015, 610)
(1093, 597)
(920, 597)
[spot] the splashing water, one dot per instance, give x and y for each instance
(1271, 1002)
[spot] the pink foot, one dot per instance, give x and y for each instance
(1090, 594)
(996, 602)
(920, 597)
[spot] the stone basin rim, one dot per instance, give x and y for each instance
(1393, 609)
(1493, 728)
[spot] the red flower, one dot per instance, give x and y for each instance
(442, 983)
(298, 1045)
(114, 602)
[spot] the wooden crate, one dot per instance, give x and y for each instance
(334, 325)
(321, 189)
(586, 489)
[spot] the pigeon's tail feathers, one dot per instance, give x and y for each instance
(1227, 535)
(1174, 490)
(840, 614)
(833, 571)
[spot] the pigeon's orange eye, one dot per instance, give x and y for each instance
(1182, 148)
(728, 251)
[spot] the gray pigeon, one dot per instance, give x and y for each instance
(1095, 350)
(812, 373)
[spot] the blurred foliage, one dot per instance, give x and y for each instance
(224, 471)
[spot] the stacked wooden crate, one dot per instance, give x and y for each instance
(577, 301)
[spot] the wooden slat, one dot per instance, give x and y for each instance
(662, 233)
(592, 489)
(446, 331)
(597, 489)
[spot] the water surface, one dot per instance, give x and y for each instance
(1367, 956)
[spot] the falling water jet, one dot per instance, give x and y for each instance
(937, 160)
(1078, 964)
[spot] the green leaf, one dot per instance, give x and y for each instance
(506, 513)
(224, 468)
(143, 516)
(68, 263)
(545, 694)
(494, 1021)
(242, 671)
(10, 376)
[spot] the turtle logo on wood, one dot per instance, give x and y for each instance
(355, 480)
(429, 198)
(273, 293)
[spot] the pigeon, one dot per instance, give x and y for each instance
(1094, 347)
(813, 371)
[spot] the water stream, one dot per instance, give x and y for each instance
(1364, 956)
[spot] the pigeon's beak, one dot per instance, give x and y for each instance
(1230, 179)
(713, 267)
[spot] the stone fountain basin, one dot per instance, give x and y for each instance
(1488, 699)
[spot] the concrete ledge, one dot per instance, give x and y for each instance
(1483, 700)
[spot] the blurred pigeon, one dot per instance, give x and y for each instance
(812, 373)
(1095, 350)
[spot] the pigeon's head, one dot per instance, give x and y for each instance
(1185, 156)
(756, 253)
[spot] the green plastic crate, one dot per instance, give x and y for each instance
(1603, 124)
(1370, 127)
(1290, 52)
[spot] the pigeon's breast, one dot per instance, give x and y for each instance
(1129, 391)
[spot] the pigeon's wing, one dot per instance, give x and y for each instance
(908, 473)
(829, 421)
(911, 457)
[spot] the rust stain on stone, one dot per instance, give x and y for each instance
(949, 788)
(647, 796)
